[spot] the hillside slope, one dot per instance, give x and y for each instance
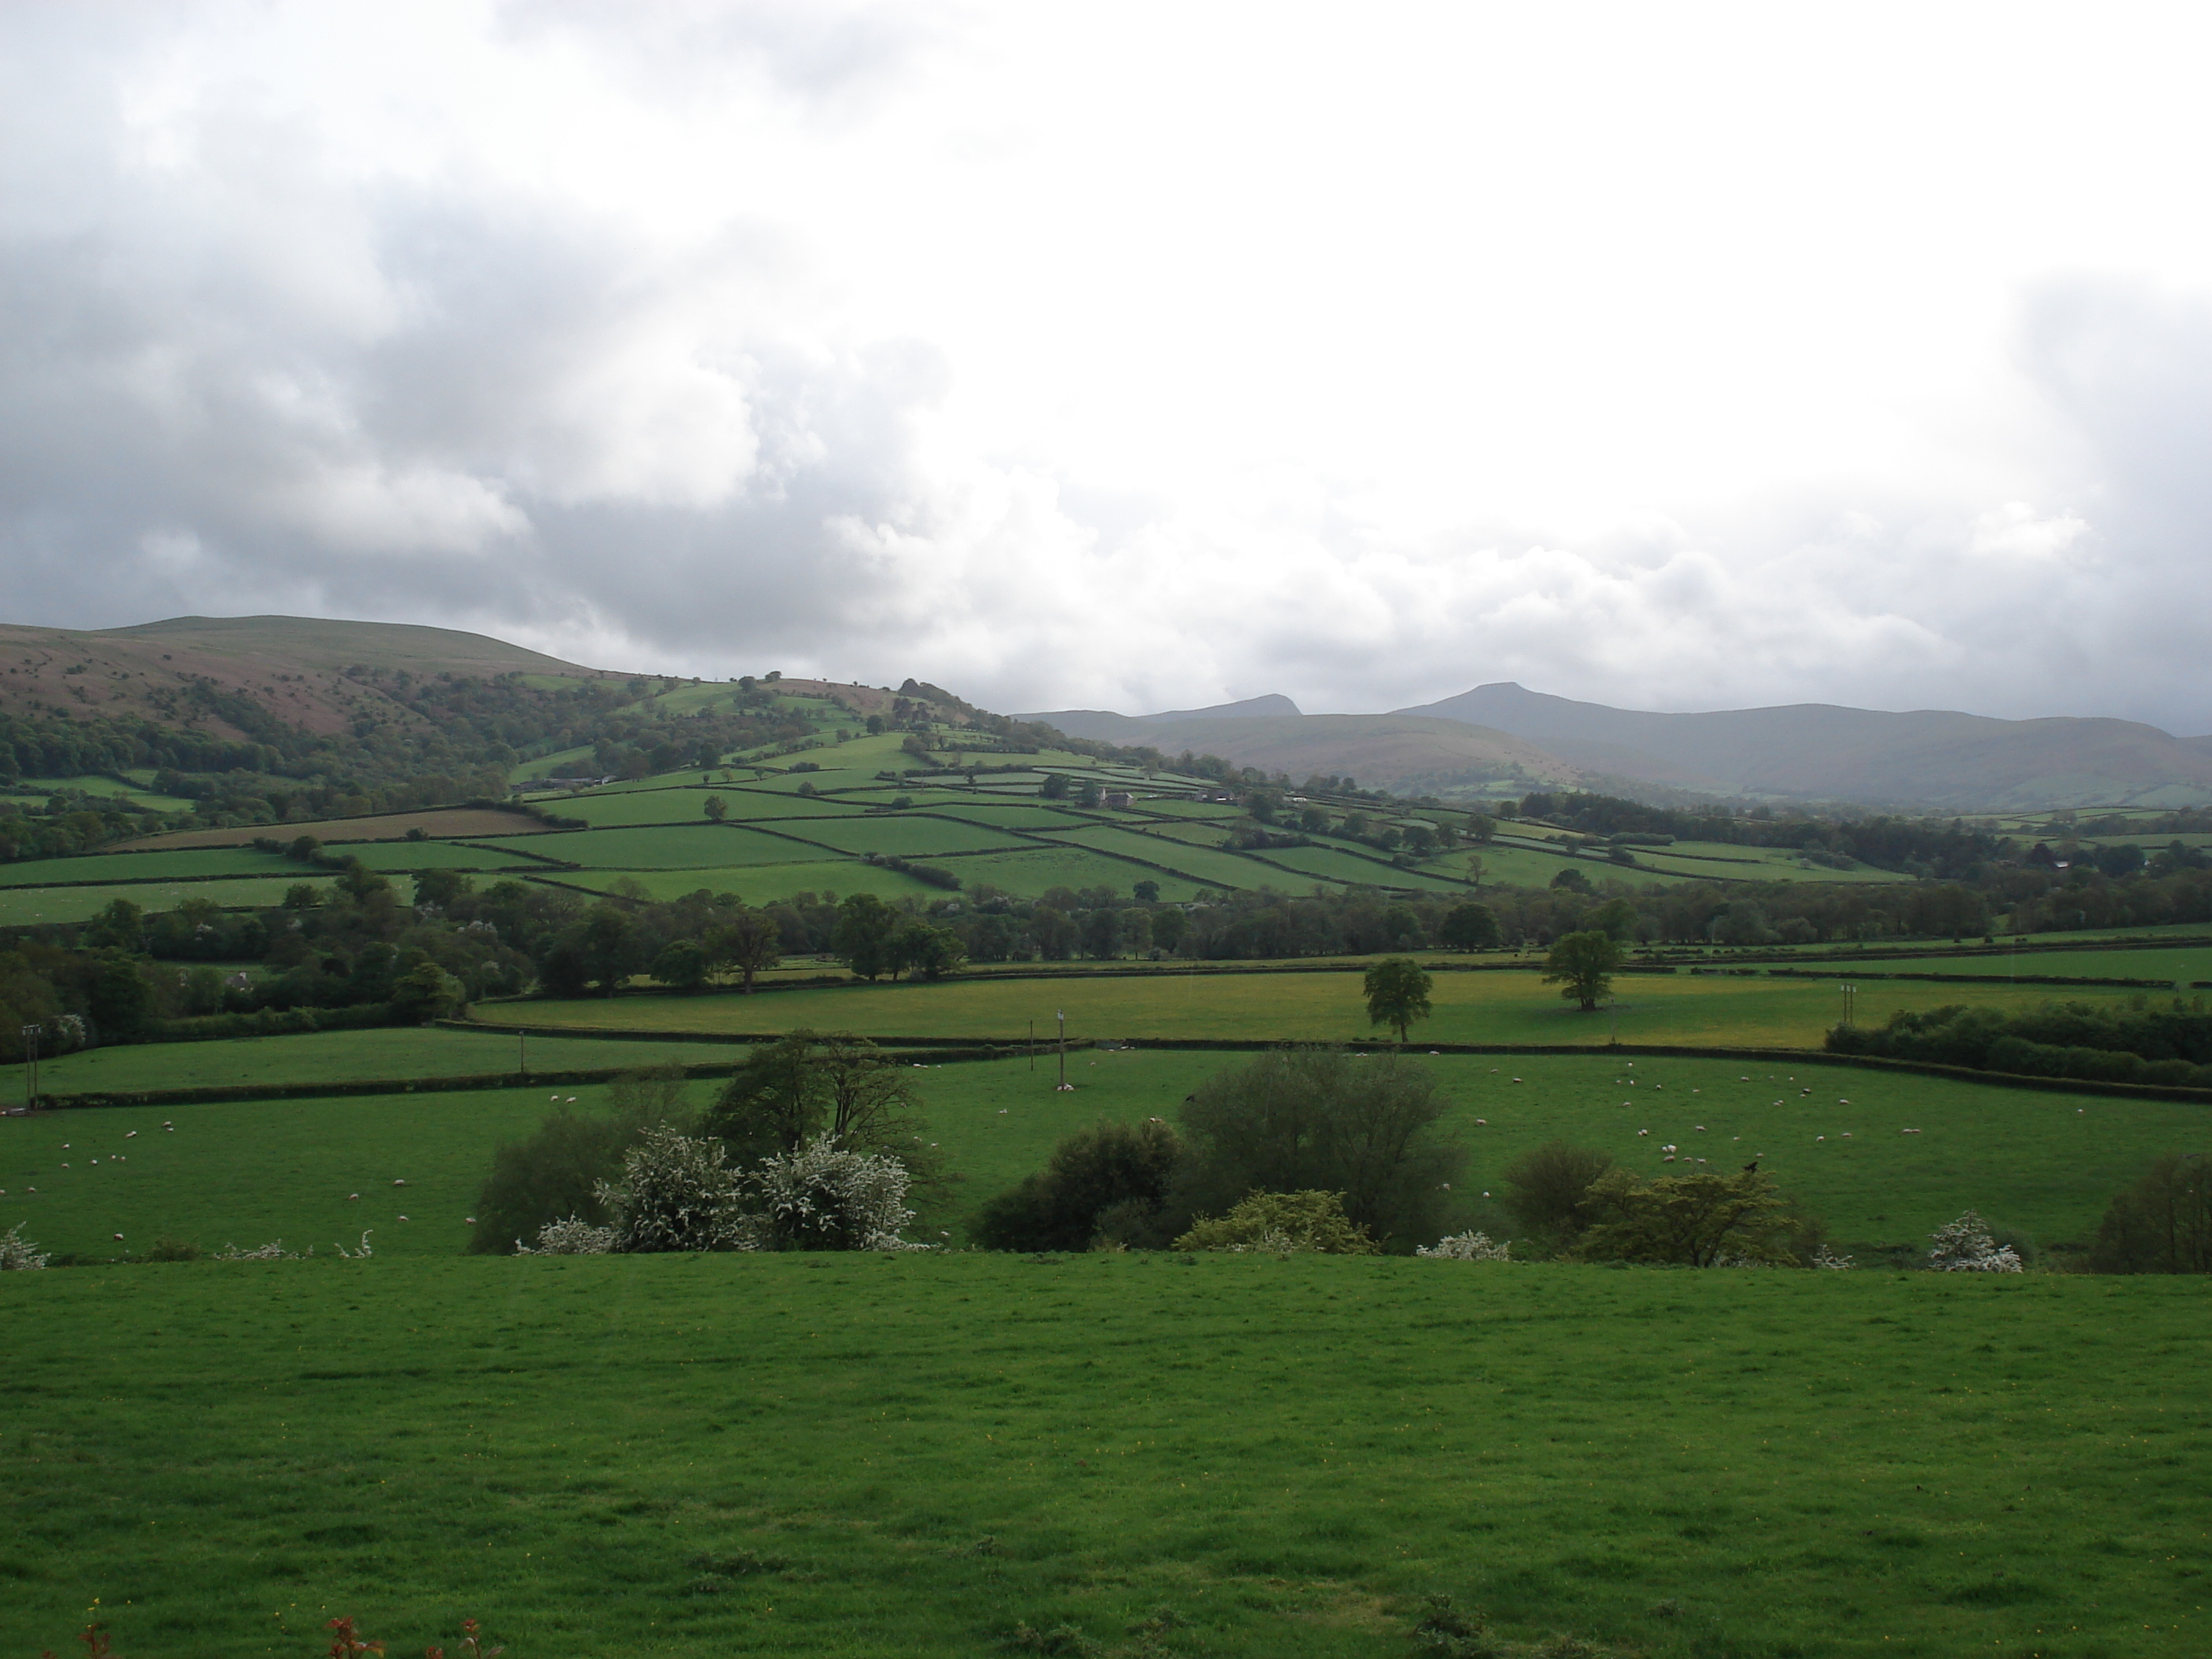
(1381, 751)
(1927, 757)
(292, 667)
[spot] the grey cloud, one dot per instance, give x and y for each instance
(245, 385)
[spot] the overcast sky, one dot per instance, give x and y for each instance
(1134, 356)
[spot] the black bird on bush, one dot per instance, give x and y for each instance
(1752, 1167)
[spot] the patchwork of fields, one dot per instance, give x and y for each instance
(1141, 1455)
(791, 826)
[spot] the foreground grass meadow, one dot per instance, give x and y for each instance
(869, 1456)
(1215, 1455)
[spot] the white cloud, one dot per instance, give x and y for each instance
(1137, 356)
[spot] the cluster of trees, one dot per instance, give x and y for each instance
(2163, 1223)
(1293, 1121)
(416, 741)
(2134, 1042)
(1574, 1203)
(815, 1143)
(69, 821)
(1312, 1149)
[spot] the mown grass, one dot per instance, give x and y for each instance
(869, 1455)
(1747, 1011)
(2041, 1165)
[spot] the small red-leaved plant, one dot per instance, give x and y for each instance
(347, 1642)
(472, 1646)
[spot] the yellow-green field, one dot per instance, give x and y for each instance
(1305, 1007)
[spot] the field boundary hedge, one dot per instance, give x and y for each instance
(1935, 976)
(1260, 1045)
(941, 1051)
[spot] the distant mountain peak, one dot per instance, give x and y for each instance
(1271, 705)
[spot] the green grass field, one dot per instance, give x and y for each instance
(700, 846)
(869, 1455)
(190, 866)
(689, 806)
(1309, 1007)
(1337, 864)
(2041, 1164)
(1033, 873)
(1012, 814)
(1201, 864)
(908, 835)
(27, 906)
(762, 884)
(410, 1051)
(2183, 962)
(407, 856)
(94, 783)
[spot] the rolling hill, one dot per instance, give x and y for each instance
(1384, 751)
(292, 667)
(1503, 737)
(1819, 751)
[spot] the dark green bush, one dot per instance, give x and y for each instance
(1108, 1179)
(1318, 1120)
(554, 1174)
(2163, 1223)
(1544, 1190)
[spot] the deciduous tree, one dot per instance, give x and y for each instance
(1582, 965)
(1397, 994)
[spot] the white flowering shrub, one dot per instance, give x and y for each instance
(1965, 1247)
(272, 1251)
(822, 1197)
(1467, 1247)
(573, 1237)
(678, 1194)
(17, 1252)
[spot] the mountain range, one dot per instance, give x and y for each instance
(307, 674)
(1502, 736)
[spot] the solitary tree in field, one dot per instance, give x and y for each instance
(1397, 994)
(717, 808)
(1582, 966)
